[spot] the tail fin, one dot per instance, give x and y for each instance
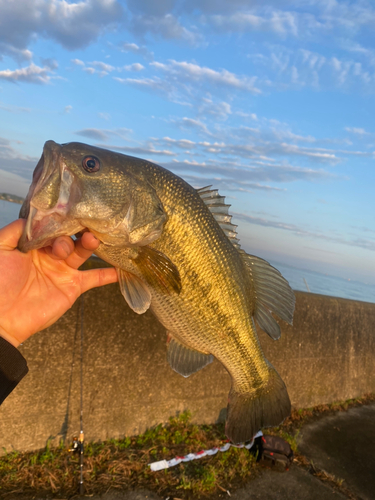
(249, 412)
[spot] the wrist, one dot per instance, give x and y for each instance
(9, 338)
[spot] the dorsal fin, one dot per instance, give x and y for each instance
(272, 294)
(216, 205)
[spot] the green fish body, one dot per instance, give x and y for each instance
(175, 251)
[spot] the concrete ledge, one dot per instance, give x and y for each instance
(329, 354)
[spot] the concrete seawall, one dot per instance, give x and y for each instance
(328, 355)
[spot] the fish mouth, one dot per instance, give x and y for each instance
(45, 224)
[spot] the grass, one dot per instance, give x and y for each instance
(123, 463)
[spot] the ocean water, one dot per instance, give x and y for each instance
(318, 283)
(8, 212)
(324, 284)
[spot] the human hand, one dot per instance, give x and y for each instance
(39, 286)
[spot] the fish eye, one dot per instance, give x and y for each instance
(91, 164)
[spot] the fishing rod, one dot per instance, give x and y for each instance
(78, 442)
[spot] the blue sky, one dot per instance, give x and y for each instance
(271, 102)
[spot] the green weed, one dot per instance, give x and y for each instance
(123, 463)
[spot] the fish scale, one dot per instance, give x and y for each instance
(175, 250)
(215, 260)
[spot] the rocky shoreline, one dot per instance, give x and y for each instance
(12, 198)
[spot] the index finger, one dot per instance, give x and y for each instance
(83, 249)
(10, 234)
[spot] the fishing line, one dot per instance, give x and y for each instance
(81, 434)
(78, 442)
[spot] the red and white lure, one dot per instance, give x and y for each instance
(165, 464)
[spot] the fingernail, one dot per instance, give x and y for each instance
(65, 247)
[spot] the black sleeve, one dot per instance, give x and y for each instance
(13, 368)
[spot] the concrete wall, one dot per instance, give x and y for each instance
(329, 354)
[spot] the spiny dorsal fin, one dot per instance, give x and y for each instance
(184, 360)
(273, 294)
(216, 204)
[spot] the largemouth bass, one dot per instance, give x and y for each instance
(175, 251)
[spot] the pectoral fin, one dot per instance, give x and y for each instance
(135, 292)
(158, 270)
(184, 360)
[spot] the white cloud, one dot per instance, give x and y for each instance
(49, 63)
(194, 73)
(150, 7)
(19, 55)
(313, 60)
(72, 24)
(68, 109)
(153, 84)
(279, 22)
(29, 74)
(303, 232)
(262, 146)
(282, 133)
(295, 75)
(143, 151)
(104, 134)
(134, 67)
(311, 20)
(350, 16)
(269, 137)
(367, 55)
(93, 133)
(218, 110)
(190, 123)
(284, 68)
(341, 68)
(358, 131)
(166, 26)
(179, 143)
(94, 67)
(244, 174)
(253, 116)
(136, 49)
(184, 83)
(102, 67)
(78, 62)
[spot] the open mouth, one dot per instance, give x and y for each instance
(45, 224)
(39, 219)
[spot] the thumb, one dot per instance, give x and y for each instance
(10, 234)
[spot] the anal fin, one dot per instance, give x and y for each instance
(135, 292)
(184, 360)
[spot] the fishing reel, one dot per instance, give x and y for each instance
(77, 446)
